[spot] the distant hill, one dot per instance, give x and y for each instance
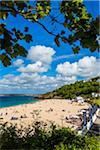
(79, 88)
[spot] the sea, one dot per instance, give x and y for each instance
(7, 101)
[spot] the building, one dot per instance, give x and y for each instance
(95, 94)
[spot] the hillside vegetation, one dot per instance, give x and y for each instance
(79, 88)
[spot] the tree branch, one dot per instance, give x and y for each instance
(45, 28)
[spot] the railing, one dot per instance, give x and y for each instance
(88, 119)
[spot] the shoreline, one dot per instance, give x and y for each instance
(38, 100)
(59, 111)
(19, 104)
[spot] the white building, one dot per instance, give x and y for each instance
(95, 94)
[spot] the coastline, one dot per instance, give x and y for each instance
(19, 104)
(58, 111)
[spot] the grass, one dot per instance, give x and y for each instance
(94, 101)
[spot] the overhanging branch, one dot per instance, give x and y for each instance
(45, 28)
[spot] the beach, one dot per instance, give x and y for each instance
(61, 112)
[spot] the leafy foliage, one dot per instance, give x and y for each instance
(39, 139)
(10, 48)
(79, 88)
(80, 24)
(9, 43)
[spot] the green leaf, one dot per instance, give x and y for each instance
(14, 13)
(22, 51)
(28, 38)
(9, 49)
(5, 60)
(76, 49)
(65, 24)
(14, 54)
(63, 32)
(35, 17)
(3, 15)
(57, 40)
(64, 39)
(2, 44)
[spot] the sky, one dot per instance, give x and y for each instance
(47, 66)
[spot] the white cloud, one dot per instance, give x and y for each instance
(18, 63)
(41, 57)
(36, 67)
(88, 66)
(31, 81)
(85, 67)
(67, 69)
(41, 53)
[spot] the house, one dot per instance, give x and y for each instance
(95, 94)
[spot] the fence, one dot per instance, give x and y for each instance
(88, 119)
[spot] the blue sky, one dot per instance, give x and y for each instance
(47, 66)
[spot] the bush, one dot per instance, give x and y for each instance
(38, 138)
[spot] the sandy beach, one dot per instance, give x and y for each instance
(60, 112)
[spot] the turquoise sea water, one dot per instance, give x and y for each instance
(7, 101)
